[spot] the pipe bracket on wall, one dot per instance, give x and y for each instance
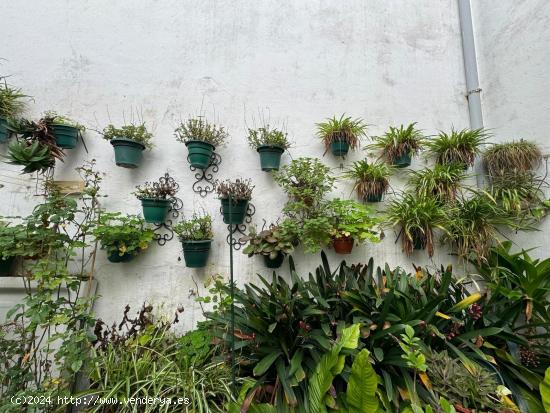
(204, 183)
(164, 231)
(237, 231)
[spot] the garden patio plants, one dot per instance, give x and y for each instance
(122, 237)
(234, 196)
(156, 198)
(11, 106)
(196, 237)
(273, 244)
(341, 134)
(129, 142)
(457, 147)
(399, 144)
(512, 157)
(371, 180)
(270, 143)
(201, 138)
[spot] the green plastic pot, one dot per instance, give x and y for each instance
(195, 253)
(274, 262)
(115, 257)
(66, 136)
(6, 266)
(155, 210)
(128, 153)
(270, 157)
(200, 153)
(402, 161)
(339, 147)
(418, 242)
(4, 131)
(375, 197)
(238, 210)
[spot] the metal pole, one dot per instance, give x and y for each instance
(233, 382)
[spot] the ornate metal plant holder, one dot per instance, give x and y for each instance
(204, 183)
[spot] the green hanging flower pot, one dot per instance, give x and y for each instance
(402, 161)
(195, 253)
(116, 257)
(6, 266)
(66, 136)
(155, 210)
(200, 153)
(270, 157)
(238, 210)
(375, 197)
(4, 130)
(339, 147)
(274, 262)
(128, 153)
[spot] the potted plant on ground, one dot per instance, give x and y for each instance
(129, 142)
(442, 181)
(270, 144)
(201, 139)
(122, 237)
(273, 244)
(371, 181)
(156, 198)
(511, 157)
(196, 236)
(65, 130)
(398, 145)
(234, 196)
(339, 135)
(351, 222)
(418, 217)
(11, 106)
(459, 147)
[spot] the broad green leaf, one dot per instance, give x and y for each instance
(265, 363)
(544, 388)
(362, 385)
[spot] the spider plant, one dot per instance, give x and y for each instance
(517, 192)
(512, 157)
(457, 146)
(418, 217)
(442, 181)
(11, 100)
(371, 181)
(339, 134)
(399, 144)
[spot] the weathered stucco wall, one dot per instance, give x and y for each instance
(298, 62)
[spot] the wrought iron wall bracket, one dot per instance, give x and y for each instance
(236, 231)
(204, 183)
(164, 231)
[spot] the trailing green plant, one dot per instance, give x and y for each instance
(344, 129)
(199, 129)
(267, 136)
(136, 132)
(196, 228)
(12, 102)
(518, 193)
(441, 181)
(122, 235)
(269, 242)
(457, 147)
(418, 217)
(164, 188)
(350, 219)
(370, 180)
(240, 189)
(398, 141)
(512, 157)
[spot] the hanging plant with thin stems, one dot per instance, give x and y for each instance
(518, 192)
(441, 182)
(512, 157)
(371, 180)
(458, 146)
(398, 142)
(200, 129)
(345, 129)
(12, 101)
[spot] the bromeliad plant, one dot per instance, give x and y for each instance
(234, 196)
(270, 144)
(418, 217)
(273, 244)
(122, 237)
(196, 237)
(201, 138)
(371, 181)
(129, 142)
(457, 147)
(442, 181)
(399, 144)
(341, 134)
(156, 198)
(512, 157)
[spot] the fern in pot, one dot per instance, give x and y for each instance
(196, 237)
(201, 138)
(234, 196)
(156, 198)
(341, 134)
(273, 244)
(457, 147)
(129, 142)
(270, 143)
(399, 144)
(371, 181)
(11, 106)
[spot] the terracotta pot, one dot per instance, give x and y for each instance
(343, 245)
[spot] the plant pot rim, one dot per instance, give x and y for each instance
(202, 241)
(199, 141)
(161, 200)
(277, 147)
(114, 141)
(233, 199)
(343, 238)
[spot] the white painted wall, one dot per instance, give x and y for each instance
(388, 62)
